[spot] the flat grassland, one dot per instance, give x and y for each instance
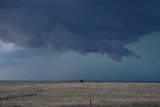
(61, 94)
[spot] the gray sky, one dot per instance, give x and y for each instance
(113, 40)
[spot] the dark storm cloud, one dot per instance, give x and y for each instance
(85, 26)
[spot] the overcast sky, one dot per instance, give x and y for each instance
(109, 40)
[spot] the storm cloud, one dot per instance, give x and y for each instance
(84, 26)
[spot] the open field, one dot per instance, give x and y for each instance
(51, 94)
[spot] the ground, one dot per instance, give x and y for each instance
(74, 94)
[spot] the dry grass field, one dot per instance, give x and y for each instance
(52, 94)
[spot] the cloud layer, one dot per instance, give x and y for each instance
(8, 47)
(84, 26)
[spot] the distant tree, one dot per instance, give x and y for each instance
(81, 81)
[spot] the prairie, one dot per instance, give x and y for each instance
(65, 94)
